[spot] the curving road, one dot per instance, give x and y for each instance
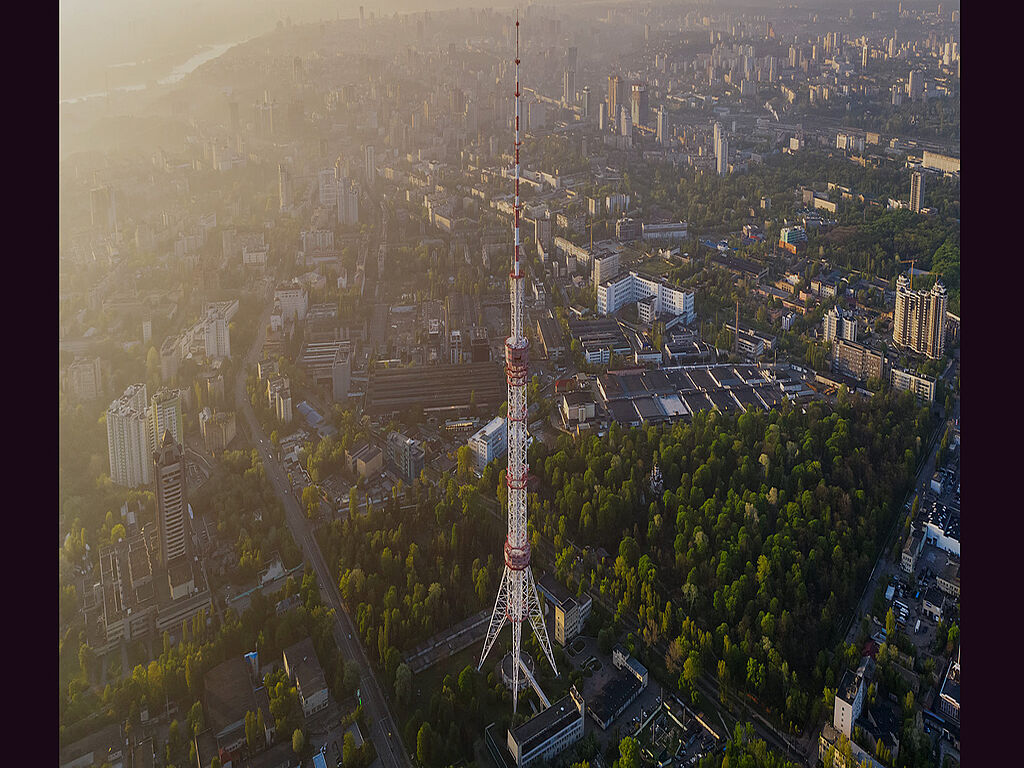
(381, 723)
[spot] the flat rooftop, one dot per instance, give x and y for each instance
(542, 726)
(436, 387)
(228, 694)
(613, 696)
(847, 690)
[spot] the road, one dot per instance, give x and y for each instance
(382, 730)
(884, 567)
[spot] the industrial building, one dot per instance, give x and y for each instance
(328, 364)
(636, 397)
(599, 338)
(440, 390)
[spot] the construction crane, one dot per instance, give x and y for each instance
(911, 263)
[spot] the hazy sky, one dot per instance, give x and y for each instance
(97, 35)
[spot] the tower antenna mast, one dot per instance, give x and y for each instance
(517, 599)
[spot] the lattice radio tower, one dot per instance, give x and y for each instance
(517, 596)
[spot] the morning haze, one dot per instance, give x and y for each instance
(568, 385)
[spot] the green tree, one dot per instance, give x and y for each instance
(629, 753)
(424, 744)
(403, 683)
(349, 751)
(298, 741)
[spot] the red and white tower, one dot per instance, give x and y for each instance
(517, 596)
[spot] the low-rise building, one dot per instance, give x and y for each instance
(489, 442)
(279, 398)
(839, 325)
(228, 696)
(627, 229)
(933, 602)
(364, 459)
(550, 337)
(577, 407)
(948, 579)
(104, 747)
(912, 550)
(622, 660)
(303, 668)
(673, 230)
(922, 386)
(218, 429)
(84, 379)
(549, 732)
(329, 365)
(849, 702)
(942, 528)
(949, 694)
(633, 287)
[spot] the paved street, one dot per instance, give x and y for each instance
(382, 730)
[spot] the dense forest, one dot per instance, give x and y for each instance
(749, 561)
(409, 571)
(240, 502)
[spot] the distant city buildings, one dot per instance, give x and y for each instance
(83, 381)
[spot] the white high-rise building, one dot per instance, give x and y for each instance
(919, 319)
(722, 158)
(165, 414)
(837, 325)
(128, 442)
